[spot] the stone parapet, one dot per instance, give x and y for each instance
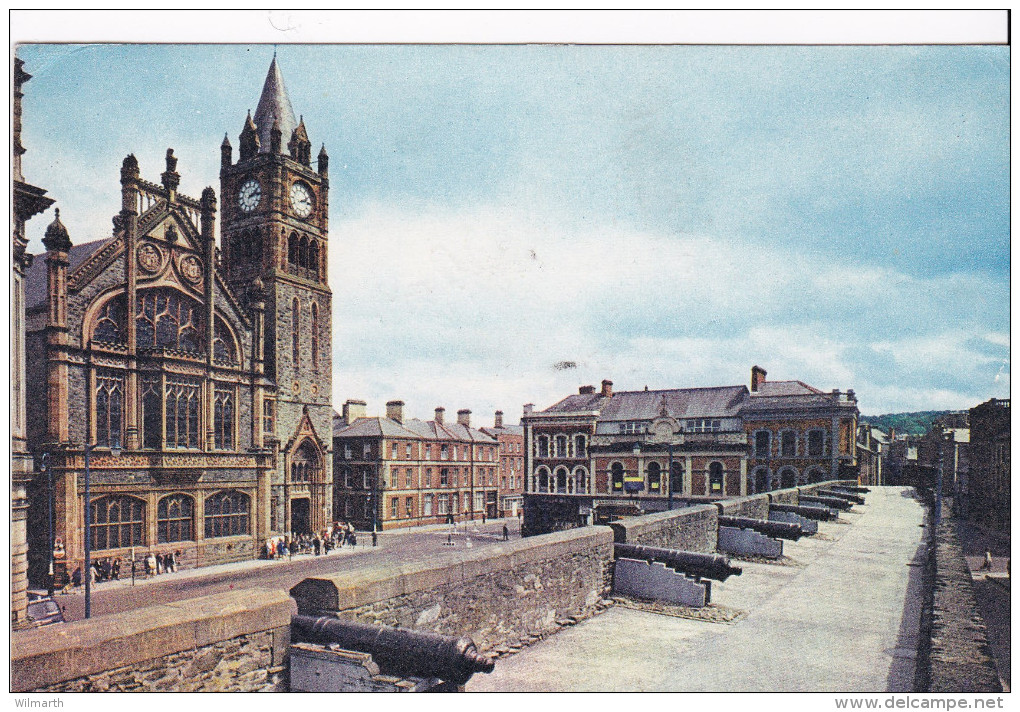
(688, 529)
(228, 641)
(497, 594)
(755, 506)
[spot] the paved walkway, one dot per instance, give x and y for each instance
(844, 617)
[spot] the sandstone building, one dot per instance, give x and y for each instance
(196, 379)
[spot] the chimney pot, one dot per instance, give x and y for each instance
(499, 419)
(586, 390)
(395, 410)
(607, 388)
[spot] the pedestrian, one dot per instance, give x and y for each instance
(317, 544)
(171, 560)
(150, 565)
(107, 569)
(92, 573)
(483, 516)
(987, 565)
(353, 539)
(115, 569)
(375, 538)
(76, 577)
(506, 533)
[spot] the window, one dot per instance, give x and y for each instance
(788, 443)
(223, 419)
(561, 480)
(444, 453)
(616, 476)
(366, 477)
(152, 412)
(715, 478)
(408, 506)
(543, 446)
(315, 335)
(109, 395)
(181, 406)
(444, 477)
(543, 479)
(393, 451)
(345, 476)
(492, 475)
(704, 425)
(304, 464)
(428, 476)
(407, 477)
(654, 476)
(580, 446)
(561, 446)
(109, 327)
(762, 444)
(295, 342)
(676, 477)
(117, 522)
(428, 452)
(444, 504)
(407, 450)
(223, 344)
(268, 416)
(168, 320)
(175, 518)
(632, 428)
(347, 451)
(226, 514)
(394, 507)
(428, 505)
(366, 451)
(816, 443)
(479, 502)
(581, 476)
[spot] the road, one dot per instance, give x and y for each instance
(394, 547)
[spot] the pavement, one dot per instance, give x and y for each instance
(841, 615)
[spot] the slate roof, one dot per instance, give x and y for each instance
(505, 430)
(372, 427)
(36, 290)
(274, 104)
(717, 402)
(413, 428)
(785, 388)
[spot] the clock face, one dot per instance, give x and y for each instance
(249, 196)
(301, 200)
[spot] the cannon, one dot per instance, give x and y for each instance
(822, 514)
(830, 502)
(712, 566)
(399, 651)
(852, 488)
(776, 530)
(848, 496)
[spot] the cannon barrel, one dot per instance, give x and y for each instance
(822, 514)
(776, 530)
(713, 566)
(399, 651)
(852, 488)
(848, 496)
(831, 502)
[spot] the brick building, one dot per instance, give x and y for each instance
(392, 472)
(601, 454)
(797, 433)
(196, 380)
(511, 465)
(988, 496)
(872, 451)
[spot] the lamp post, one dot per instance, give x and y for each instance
(115, 452)
(669, 477)
(44, 467)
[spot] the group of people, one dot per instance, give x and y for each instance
(335, 536)
(110, 569)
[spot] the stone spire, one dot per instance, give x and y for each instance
(56, 238)
(274, 106)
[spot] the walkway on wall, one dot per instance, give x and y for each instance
(842, 617)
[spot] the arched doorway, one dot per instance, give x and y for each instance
(300, 516)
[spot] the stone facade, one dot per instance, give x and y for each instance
(197, 376)
(988, 494)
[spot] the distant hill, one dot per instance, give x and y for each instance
(910, 423)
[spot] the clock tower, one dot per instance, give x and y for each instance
(273, 245)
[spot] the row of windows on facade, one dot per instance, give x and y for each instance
(302, 256)
(431, 505)
(454, 477)
(561, 446)
(576, 481)
(118, 521)
(762, 479)
(164, 320)
(692, 425)
(815, 443)
(446, 452)
(170, 410)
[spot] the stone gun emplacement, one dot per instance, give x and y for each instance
(711, 566)
(776, 530)
(821, 514)
(830, 502)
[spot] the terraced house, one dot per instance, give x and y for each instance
(393, 472)
(188, 383)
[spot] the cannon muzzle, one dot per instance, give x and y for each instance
(400, 651)
(776, 530)
(848, 496)
(713, 566)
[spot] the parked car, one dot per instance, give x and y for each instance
(43, 610)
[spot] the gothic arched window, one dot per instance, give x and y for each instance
(654, 476)
(715, 477)
(109, 398)
(304, 465)
(181, 400)
(109, 328)
(175, 516)
(616, 476)
(168, 320)
(117, 522)
(226, 514)
(292, 249)
(224, 348)
(223, 419)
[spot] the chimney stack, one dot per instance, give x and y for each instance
(464, 417)
(439, 414)
(395, 410)
(607, 388)
(499, 419)
(353, 409)
(529, 408)
(586, 390)
(757, 378)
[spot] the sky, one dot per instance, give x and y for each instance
(511, 222)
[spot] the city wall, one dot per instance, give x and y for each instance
(235, 641)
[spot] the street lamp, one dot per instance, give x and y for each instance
(44, 467)
(115, 452)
